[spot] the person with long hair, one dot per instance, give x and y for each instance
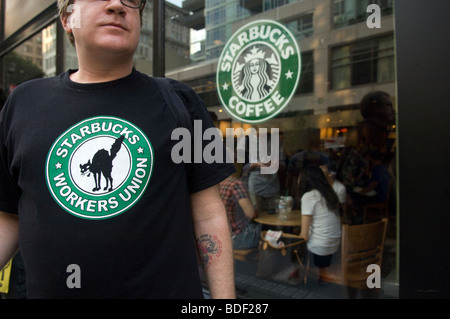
(321, 225)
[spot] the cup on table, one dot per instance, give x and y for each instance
(283, 209)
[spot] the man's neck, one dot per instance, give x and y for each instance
(98, 75)
(105, 70)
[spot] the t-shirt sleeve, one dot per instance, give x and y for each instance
(9, 191)
(341, 192)
(309, 201)
(204, 174)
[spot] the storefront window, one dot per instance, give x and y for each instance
(342, 61)
(338, 69)
(34, 58)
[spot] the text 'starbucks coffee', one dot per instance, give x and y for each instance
(258, 71)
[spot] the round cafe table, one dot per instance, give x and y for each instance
(294, 218)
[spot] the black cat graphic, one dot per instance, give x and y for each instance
(102, 164)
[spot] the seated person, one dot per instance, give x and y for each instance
(263, 189)
(240, 212)
(321, 225)
(375, 191)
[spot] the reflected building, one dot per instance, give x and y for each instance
(177, 38)
(342, 59)
(31, 50)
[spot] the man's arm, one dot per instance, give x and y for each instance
(9, 237)
(214, 242)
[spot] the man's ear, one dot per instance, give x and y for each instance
(72, 18)
(65, 21)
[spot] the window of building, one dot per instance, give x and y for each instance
(348, 12)
(271, 4)
(301, 26)
(306, 84)
(362, 62)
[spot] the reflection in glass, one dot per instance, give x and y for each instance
(25, 63)
(341, 62)
(339, 67)
(362, 62)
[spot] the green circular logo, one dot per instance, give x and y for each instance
(258, 71)
(99, 168)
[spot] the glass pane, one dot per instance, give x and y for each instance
(143, 58)
(348, 12)
(306, 84)
(34, 58)
(322, 123)
(49, 50)
(341, 67)
(385, 63)
(17, 13)
(70, 55)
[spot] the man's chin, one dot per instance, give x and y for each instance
(117, 48)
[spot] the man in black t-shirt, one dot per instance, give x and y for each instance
(87, 175)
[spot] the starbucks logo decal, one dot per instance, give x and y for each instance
(99, 168)
(258, 71)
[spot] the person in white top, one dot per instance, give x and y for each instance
(321, 225)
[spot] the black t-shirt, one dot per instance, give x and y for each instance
(104, 211)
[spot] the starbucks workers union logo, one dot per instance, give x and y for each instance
(99, 168)
(258, 71)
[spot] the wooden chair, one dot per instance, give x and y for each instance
(381, 209)
(362, 245)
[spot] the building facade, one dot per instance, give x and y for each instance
(341, 62)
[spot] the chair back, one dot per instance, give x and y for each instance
(362, 245)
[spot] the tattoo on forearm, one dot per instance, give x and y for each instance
(209, 248)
